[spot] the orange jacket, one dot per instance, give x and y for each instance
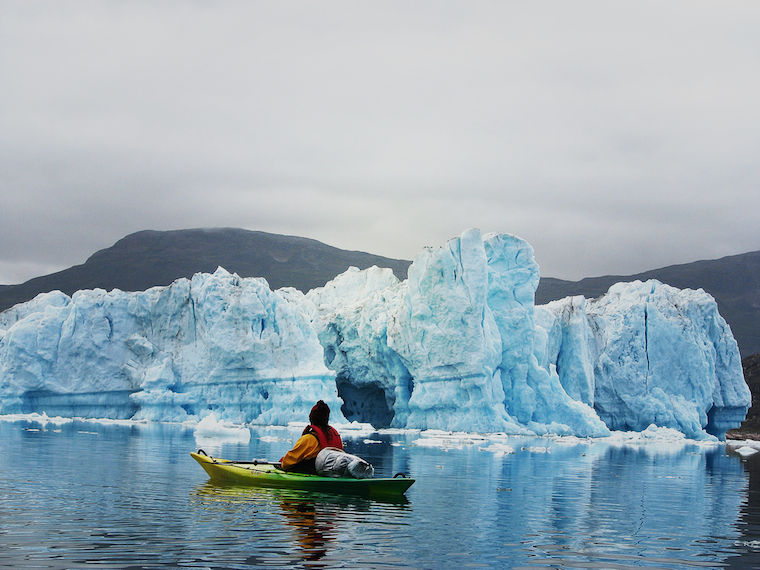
(307, 448)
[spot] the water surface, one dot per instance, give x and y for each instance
(89, 495)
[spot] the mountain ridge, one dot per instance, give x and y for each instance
(152, 258)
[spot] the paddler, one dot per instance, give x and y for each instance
(317, 435)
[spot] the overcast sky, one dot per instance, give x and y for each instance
(614, 137)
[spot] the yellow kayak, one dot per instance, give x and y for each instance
(265, 474)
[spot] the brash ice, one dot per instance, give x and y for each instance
(457, 346)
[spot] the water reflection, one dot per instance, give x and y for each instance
(314, 527)
(585, 505)
(313, 521)
(82, 495)
(746, 548)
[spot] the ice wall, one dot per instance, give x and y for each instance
(647, 353)
(351, 316)
(459, 345)
(214, 343)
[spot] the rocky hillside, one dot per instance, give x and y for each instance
(751, 426)
(149, 258)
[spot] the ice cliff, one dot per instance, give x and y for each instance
(459, 345)
(647, 353)
(214, 343)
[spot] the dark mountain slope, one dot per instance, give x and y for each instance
(733, 281)
(751, 426)
(149, 258)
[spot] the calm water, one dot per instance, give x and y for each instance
(88, 495)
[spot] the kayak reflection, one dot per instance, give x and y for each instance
(228, 491)
(314, 526)
(308, 522)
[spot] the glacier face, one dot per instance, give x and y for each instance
(647, 353)
(214, 343)
(459, 345)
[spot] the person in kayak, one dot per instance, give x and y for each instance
(317, 435)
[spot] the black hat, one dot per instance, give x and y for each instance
(320, 414)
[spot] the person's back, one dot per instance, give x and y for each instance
(317, 435)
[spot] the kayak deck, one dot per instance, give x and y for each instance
(268, 475)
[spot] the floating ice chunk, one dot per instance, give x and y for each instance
(271, 439)
(498, 449)
(662, 433)
(536, 449)
(210, 428)
(443, 443)
(449, 440)
(35, 417)
(354, 430)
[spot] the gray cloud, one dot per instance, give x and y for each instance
(614, 137)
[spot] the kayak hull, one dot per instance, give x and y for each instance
(267, 475)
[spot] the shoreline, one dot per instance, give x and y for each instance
(737, 435)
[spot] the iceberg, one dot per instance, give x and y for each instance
(214, 344)
(459, 346)
(647, 353)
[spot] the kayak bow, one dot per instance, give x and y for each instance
(265, 474)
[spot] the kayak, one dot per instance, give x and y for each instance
(265, 474)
